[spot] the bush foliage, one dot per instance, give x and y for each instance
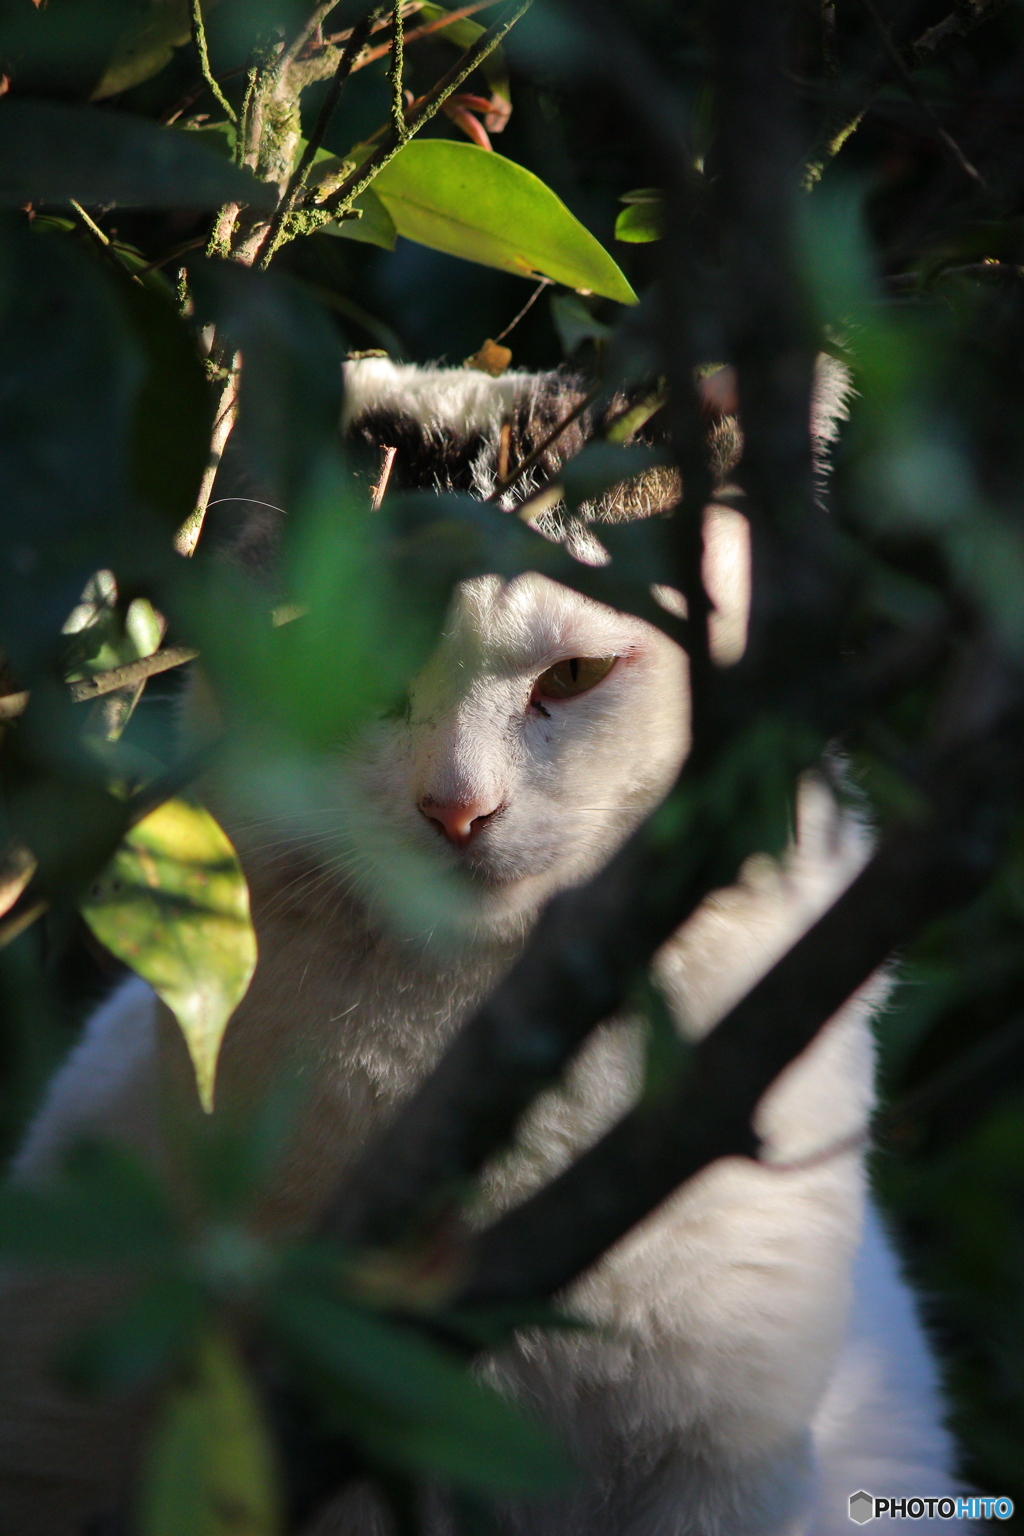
(206, 207)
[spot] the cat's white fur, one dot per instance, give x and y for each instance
(760, 1358)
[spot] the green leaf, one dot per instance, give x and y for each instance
(71, 368)
(173, 904)
(142, 1338)
(51, 153)
(641, 221)
(414, 1406)
(478, 205)
(376, 227)
(107, 1207)
(145, 46)
(212, 1466)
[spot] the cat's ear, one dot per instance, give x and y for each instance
(726, 571)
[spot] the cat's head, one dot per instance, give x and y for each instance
(546, 725)
(540, 733)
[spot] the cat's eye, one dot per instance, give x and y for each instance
(576, 675)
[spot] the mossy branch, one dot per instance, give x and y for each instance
(395, 75)
(199, 39)
(353, 48)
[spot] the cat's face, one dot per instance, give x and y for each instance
(541, 732)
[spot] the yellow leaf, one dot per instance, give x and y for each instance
(212, 1468)
(173, 904)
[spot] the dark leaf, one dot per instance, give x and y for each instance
(51, 153)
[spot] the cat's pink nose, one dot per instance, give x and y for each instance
(459, 821)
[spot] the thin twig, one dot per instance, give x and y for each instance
(545, 282)
(387, 464)
(192, 95)
(297, 182)
(85, 689)
(425, 109)
(542, 448)
(179, 250)
(103, 241)
(317, 19)
(132, 673)
(912, 88)
(199, 39)
(437, 25)
(187, 536)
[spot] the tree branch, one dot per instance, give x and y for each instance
(85, 689)
(187, 536)
(357, 38)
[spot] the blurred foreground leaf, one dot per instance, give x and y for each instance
(173, 904)
(473, 203)
(212, 1468)
(50, 153)
(71, 368)
(414, 1407)
(145, 46)
(107, 1207)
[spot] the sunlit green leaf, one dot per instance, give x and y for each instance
(414, 1406)
(478, 205)
(173, 904)
(639, 222)
(212, 1469)
(145, 46)
(51, 153)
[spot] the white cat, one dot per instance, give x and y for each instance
(760, 1359)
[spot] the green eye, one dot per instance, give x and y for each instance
(577, 675)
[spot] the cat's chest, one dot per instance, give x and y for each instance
(356, 1020)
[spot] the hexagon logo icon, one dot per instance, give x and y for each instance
(862, 1507)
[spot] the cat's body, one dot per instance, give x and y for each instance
(760, 1360)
